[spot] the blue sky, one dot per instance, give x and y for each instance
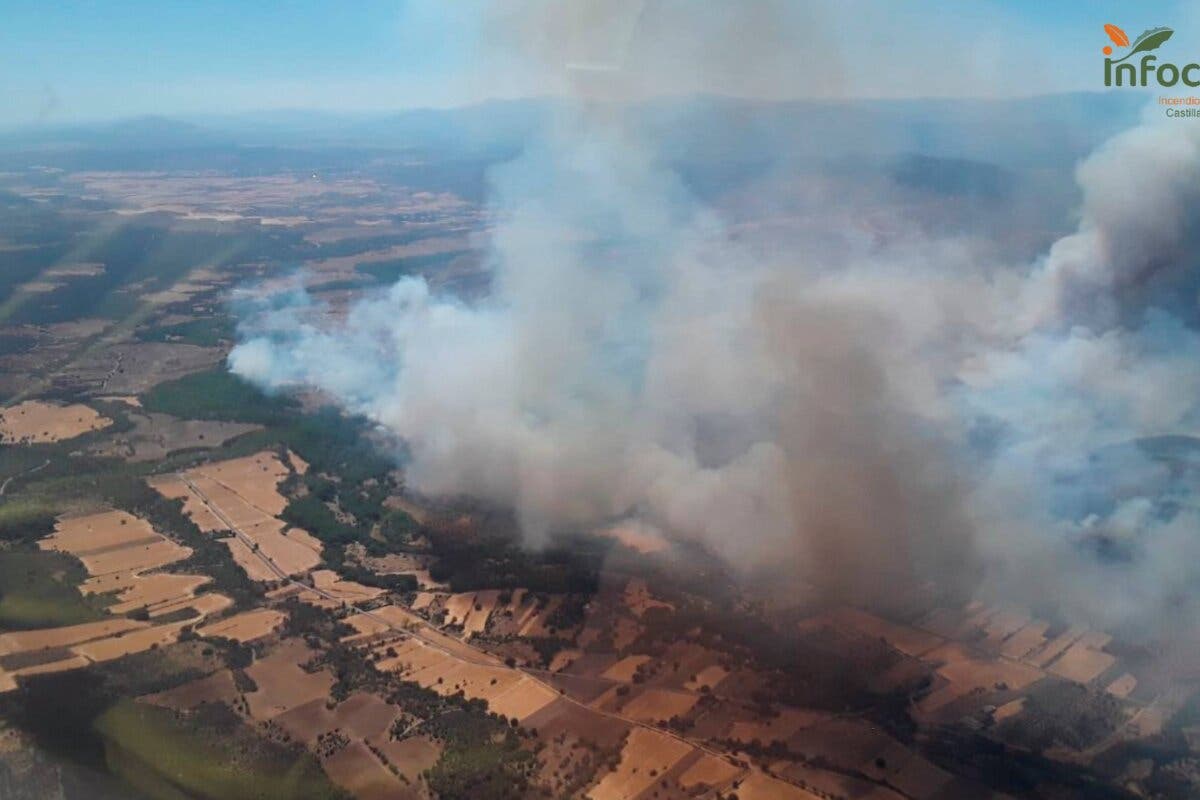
(67, 61)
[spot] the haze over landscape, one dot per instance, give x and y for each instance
(604, 399)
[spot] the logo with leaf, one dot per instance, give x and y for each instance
(1151, 39)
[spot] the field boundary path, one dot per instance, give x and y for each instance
(11, 478)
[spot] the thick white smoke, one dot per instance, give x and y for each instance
(872, 419)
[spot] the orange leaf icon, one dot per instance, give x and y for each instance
(1117, 35)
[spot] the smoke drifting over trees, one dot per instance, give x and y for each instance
(871, 415)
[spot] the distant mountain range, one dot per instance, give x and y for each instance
(1024, 132)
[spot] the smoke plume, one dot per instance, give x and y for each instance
(873, 417)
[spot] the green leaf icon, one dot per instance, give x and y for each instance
(1151, 40)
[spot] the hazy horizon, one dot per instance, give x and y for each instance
(78, 62)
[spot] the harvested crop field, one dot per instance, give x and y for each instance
(625, 669)
(111, 541)
(507, 691)
(522, 700)
(216, 688)
(23, 641)
(966, 672)
(1082, 663)
(646, 755)
(254, 478)
(245, 627)
(1025, 641)
(564, 717)
(411, 756)
(709, 771)
(362, 716)
(244, 491)
(654, 705)
(534, 620)
(131, 642)
(357, 770)
(423, 600)
(348, 591)
(307, 721)
(117, 549)
(446, 673)
(37, 422)
(364, 626)
(458, 606)
(470, 610)
(282, 683)
(759, 786)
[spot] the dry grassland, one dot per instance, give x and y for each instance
(625, 632)
(835, 784)
(1010, 709)
(710, 676)
(37, 422)
(155, 436)
(639, 600)
(563, 659)
(1122, 686)
(907, 640)
(637, 537)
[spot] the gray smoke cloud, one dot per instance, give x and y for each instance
(874, 418)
